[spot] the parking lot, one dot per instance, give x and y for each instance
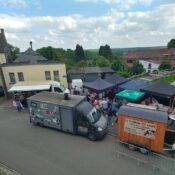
(35, 150)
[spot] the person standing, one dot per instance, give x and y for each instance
(18, 104)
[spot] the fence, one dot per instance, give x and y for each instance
(156, 162)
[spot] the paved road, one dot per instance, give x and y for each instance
(33, 150)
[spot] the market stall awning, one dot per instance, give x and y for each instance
(30, 86)
(99, 85)
(130, 95)
(135, 85)
(160, 89)
(116, 79)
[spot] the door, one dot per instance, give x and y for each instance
(67, 120)
(82, 124)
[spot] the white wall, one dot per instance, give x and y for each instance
(146, 64)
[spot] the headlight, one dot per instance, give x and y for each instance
(100, 129)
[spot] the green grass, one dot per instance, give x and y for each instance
(169, 79)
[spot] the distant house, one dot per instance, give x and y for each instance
(152, 55)
(149, 66)
(88, 74)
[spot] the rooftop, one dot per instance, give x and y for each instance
(55, 98)
(89, 70)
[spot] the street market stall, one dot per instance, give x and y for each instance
(116, 80)
(162, 91)
(135, 85)
(98, 86)
(129, 95)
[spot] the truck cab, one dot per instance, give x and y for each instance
(90, 122)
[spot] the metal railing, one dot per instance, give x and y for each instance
(157, 162)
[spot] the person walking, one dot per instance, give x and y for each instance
(18, 105)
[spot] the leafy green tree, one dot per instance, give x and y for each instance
(79, 53)
(119, 65)
(105, 51)
(70, 54)
(101, 62)
(82, 63)
(14, 52)
(47, 52)
(137, 68)
(171, 43)
(165, 65)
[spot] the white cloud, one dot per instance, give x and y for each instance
(21, 4)
(115, 28)
(14, 3)
(123, 4)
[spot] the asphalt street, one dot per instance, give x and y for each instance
(33, 150)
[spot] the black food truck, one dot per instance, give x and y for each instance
(69, 113)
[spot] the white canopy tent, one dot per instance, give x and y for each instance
(30, 86)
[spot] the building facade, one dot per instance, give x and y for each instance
(29, 67)
(149, 66)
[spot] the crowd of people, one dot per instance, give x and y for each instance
(106, 104)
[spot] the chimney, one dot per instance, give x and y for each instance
(31, 44)
(2, 31)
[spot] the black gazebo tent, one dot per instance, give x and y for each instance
(99, 85)
(116, 79)
(161, 90)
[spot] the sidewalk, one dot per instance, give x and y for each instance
(5, 103)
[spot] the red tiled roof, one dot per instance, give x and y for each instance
(151, 54)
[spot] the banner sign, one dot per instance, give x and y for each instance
(144, 129)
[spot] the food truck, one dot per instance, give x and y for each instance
(69, 113)
(145, 128)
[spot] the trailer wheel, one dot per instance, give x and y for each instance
(131, 147)
(144, 150)
(91, 137)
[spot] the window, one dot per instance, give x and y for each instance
(47, 75)
(12, 77)
(20, 76)
(56, 75)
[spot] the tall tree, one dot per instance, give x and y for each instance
(14, 52)
(165, 65)
(79, 53)
(171, 43)
(137, 68)
(105, 51)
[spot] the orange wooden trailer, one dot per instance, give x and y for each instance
(143, 127)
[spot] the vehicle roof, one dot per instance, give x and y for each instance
(147, 114)
(56, 98)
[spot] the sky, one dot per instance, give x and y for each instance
(90, 23)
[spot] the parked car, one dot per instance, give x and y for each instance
(1, 91)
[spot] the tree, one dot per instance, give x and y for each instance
(105, 51)
(47, 52)
(14, 52)
(165, 65)
(101, 62)
(79, 53)
(119, 65)
(137, 68)
(171, 43)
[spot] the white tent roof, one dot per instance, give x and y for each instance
(30, 86)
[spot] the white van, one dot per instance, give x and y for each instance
(78, 83)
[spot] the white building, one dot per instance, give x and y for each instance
(149, 66)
